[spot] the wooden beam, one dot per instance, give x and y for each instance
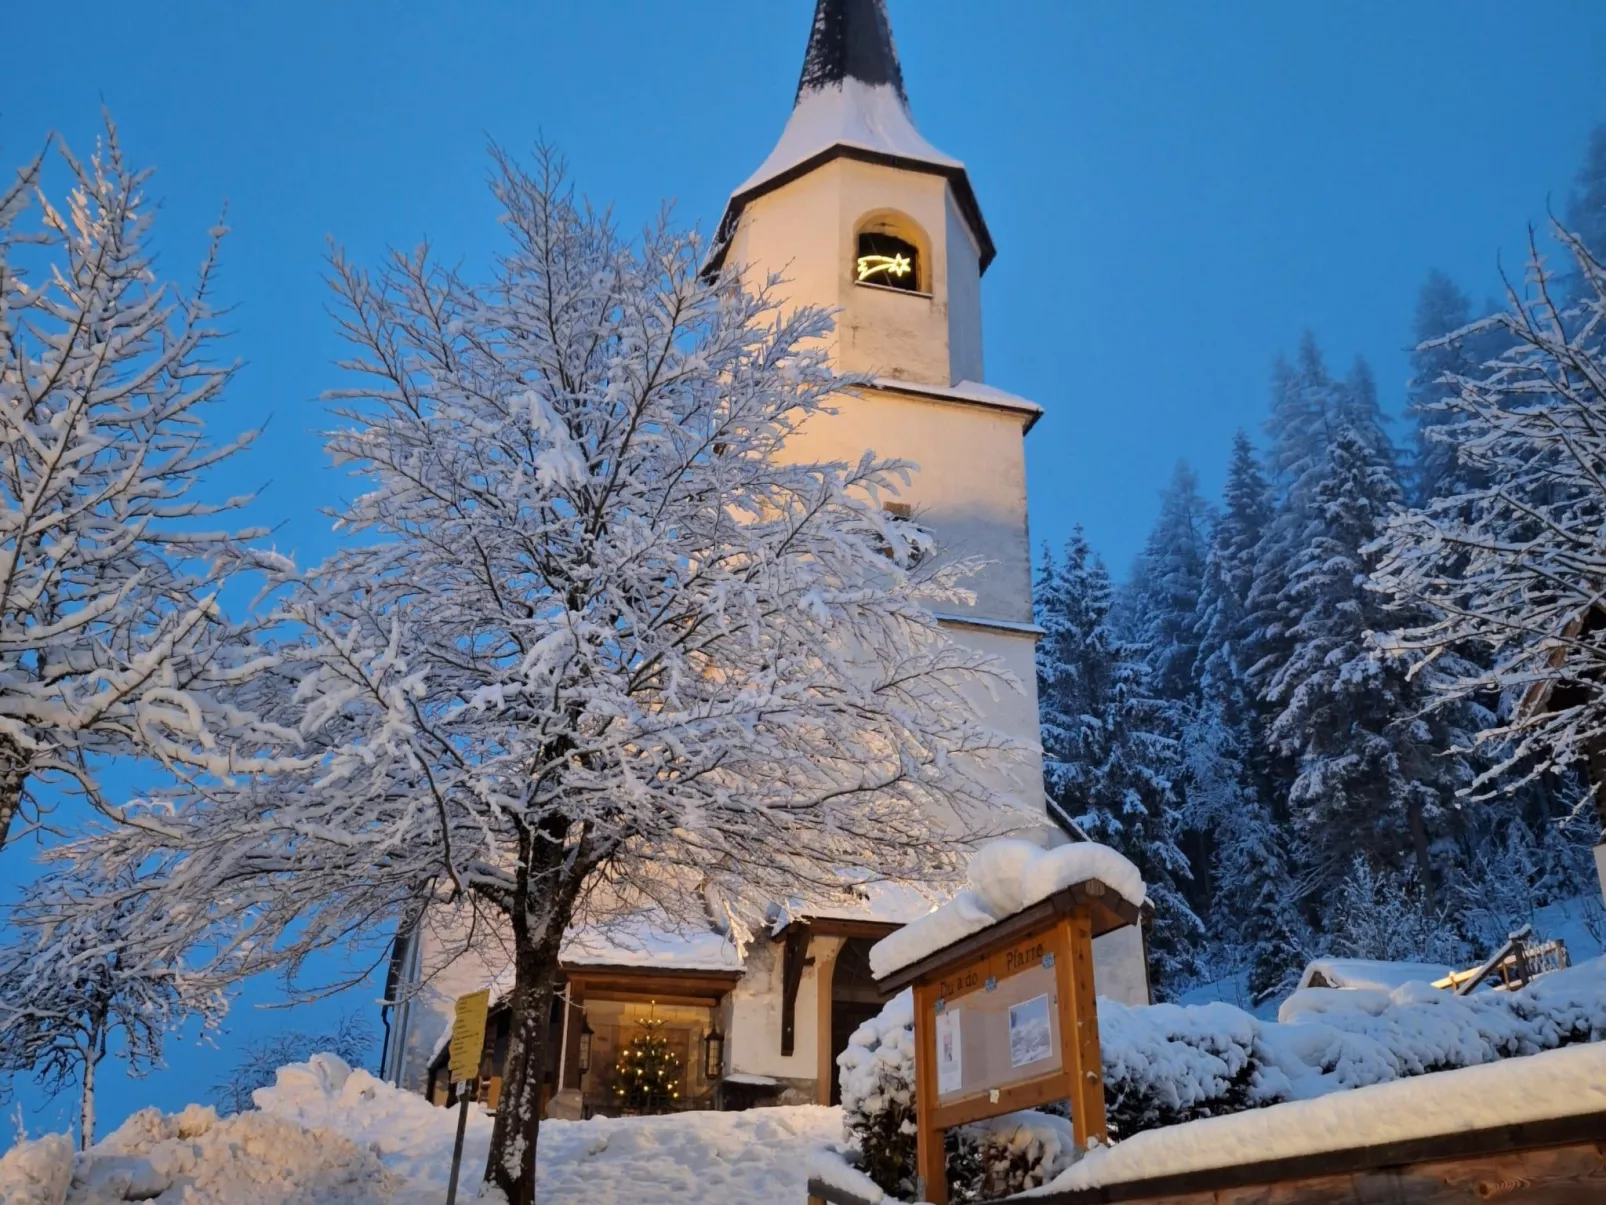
(794, 956)
(1079, 1025)
(824, 975)
(1410, 1166)
(931, 1159)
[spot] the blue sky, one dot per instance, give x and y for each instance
(1177, 189)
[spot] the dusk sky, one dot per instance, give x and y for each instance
(1176, 191)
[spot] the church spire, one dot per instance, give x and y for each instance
(851, 104)
(851, 39)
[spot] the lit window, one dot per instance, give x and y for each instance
(886, 259)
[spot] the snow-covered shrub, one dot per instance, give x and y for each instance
(1165, 1064)
(878, 1095)
(1006, 1155)
(1170, 1063)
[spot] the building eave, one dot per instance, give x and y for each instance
(958, 180)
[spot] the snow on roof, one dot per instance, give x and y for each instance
(1005, 877)
(649, 941)
(964, 391)
(850, 112)
(1539, 1087)
(891, 903)
(1367, 973)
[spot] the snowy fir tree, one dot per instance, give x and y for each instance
(1075, 675)
(1586, 213)
(1443, 353)
(1344, 714)
(647, 1077)
(1109, 766)
(1162, 599)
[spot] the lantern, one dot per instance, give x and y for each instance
(714, 1055)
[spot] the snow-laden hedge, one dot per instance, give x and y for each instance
(1166, 1063)
(990, 1159)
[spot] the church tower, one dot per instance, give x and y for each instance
(863, 216)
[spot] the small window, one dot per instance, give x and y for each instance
(887, 260)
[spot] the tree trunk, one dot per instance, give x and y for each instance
(1419, 845)
(13, 774)
(86, 1111)
(510, 1165)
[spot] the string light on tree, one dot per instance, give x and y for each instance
(647, 1074)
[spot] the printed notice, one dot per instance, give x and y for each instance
(950, 1071)
(1030, 1035)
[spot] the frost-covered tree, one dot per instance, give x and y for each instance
(349, 1039)
(77, 983)
(1163, 597)
(1442, 354)
(1075, 674)
(1109, 766)
(1229, 576)
(600, 640)
(1586, 211)
(111, 639)
(1505, 580)
(1367, 776)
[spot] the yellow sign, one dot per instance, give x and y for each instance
(468, 1035)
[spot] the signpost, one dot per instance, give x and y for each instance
(466, 1050)
(1006, 1019)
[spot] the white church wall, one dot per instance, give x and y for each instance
(755, 1032)
(1120, 972)
(964, 298)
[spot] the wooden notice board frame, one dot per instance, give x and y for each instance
(1056, 934)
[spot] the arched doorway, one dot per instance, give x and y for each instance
(854, 1000)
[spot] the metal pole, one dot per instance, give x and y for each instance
(563, 1042)
(457, 1146)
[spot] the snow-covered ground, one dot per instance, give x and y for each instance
(325, 1135)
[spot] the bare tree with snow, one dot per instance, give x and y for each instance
(111, 640)
(1514, 569)
(600, 641)
(79, 981)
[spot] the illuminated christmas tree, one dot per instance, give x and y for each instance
(646, 1077)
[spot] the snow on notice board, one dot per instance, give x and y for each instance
(1005, 877)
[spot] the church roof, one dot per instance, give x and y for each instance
(851, 103)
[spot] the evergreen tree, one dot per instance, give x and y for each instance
(1586, 210)
(647, 1074)
(1109, 769)
(1367, 781)
(1075, 666)
(1166, 584)
(1253, 903)
(1437, 361)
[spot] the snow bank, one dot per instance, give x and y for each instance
(195, 1158)
(1005, 877)
(325, 1134)
(37, 1172)
(1559, 1083)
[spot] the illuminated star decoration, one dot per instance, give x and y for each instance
(891, 265)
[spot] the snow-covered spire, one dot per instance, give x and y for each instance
(851, 39)
(851, 102)
(850, 94)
